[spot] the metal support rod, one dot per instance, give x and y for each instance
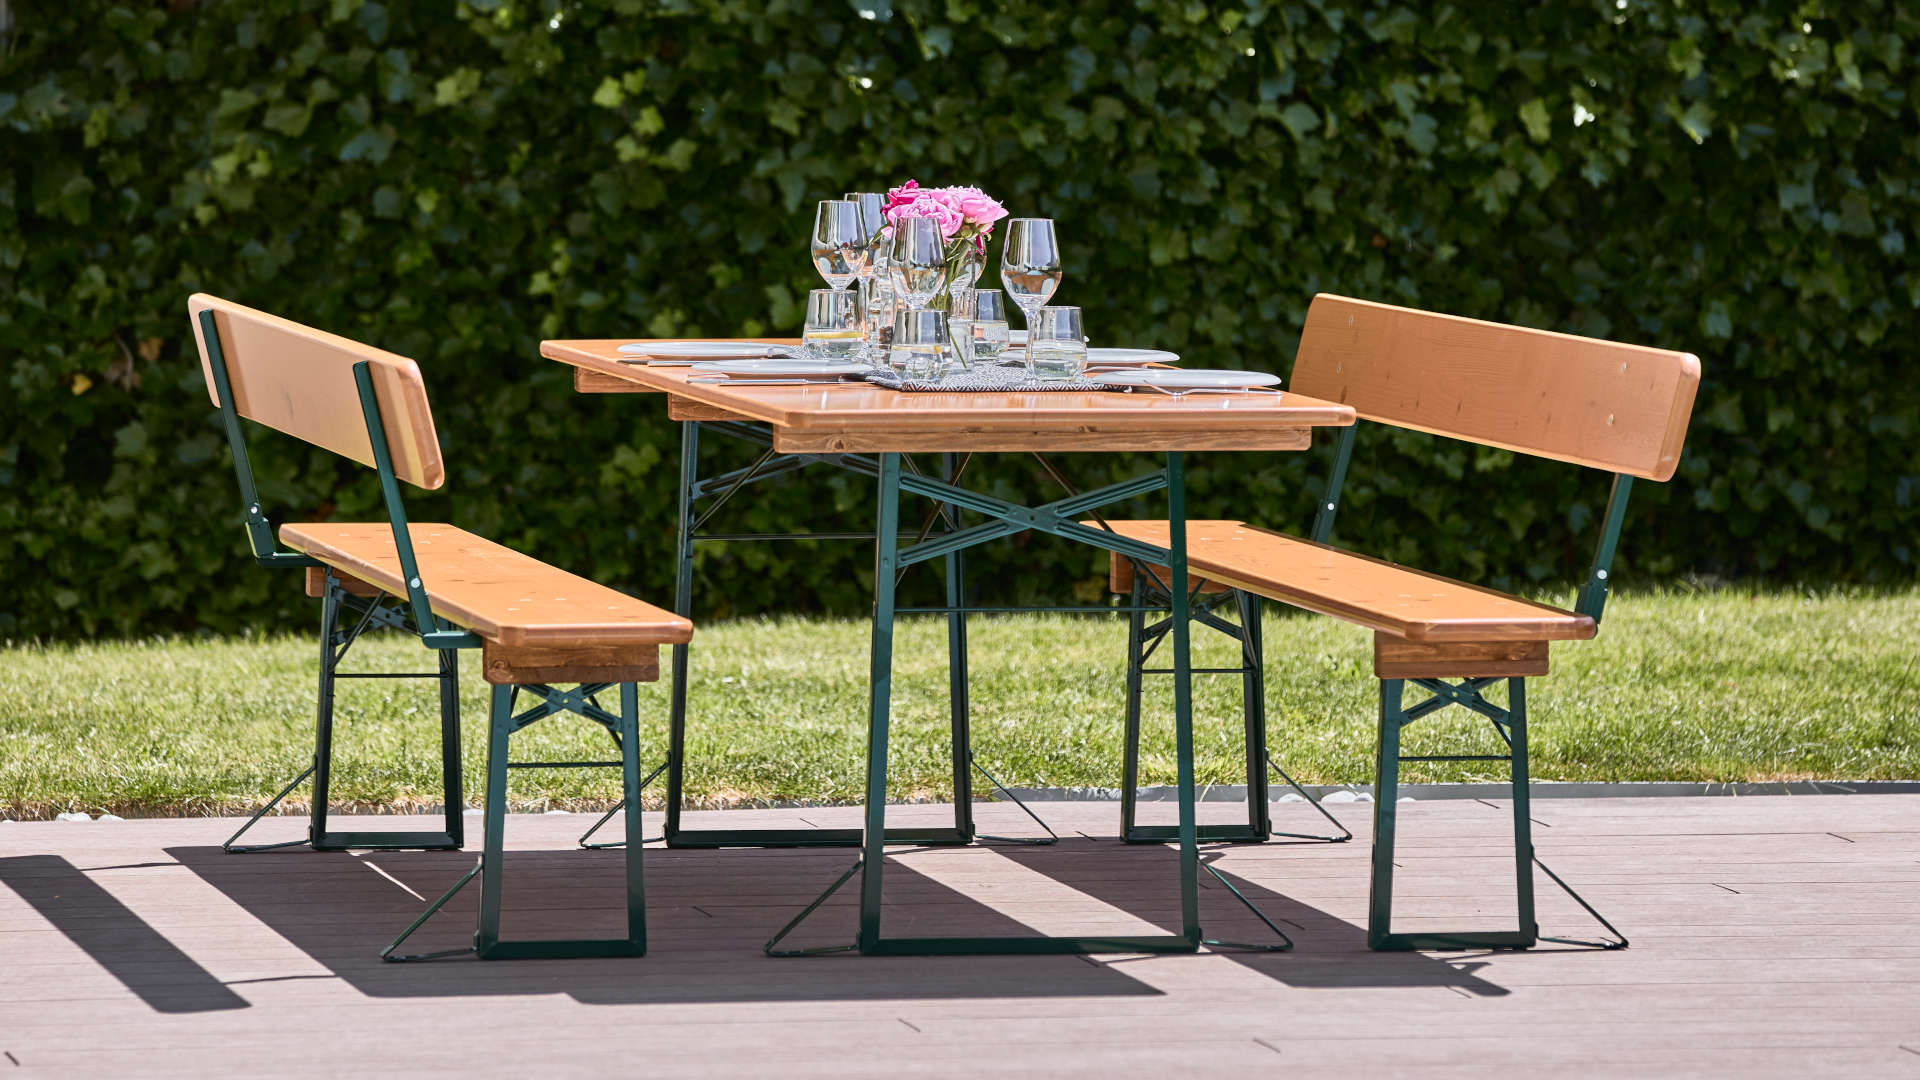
(1336, 480)
(1592, 600)
(259, 533)
(432, 634)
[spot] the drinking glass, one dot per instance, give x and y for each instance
(1030, 264)
(839, 248)
(833, 328)
(1056, 345)
(876, 309)
(916, 260)
(919, 343)
(989, 338)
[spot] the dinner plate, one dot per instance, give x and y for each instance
(1179, 379)
(783, 368)
(1129, 357)
(705, 350)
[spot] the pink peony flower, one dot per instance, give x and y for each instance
(954, 208)
(977, 206)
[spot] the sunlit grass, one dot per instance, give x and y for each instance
(1721, 685)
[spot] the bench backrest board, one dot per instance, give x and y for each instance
(1623, 408)
(299, 380)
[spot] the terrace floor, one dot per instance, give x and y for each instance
(1771, 936)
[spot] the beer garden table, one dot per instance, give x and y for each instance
(870, 430)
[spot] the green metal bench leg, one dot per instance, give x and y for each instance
(1130, 766)
(1253, 689)
(1386, 788)
(1513, 725)
(334, 645)
(501, 723)
(1522, 809)
(323, 717)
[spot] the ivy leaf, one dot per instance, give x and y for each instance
(370, 145)
(287, 118)
(609, 94)
(1299, 119)
(1539, 122)
(457, 87)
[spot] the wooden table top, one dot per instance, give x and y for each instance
(862, 417)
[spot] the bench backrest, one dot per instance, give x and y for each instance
(299, 380)
(1623, 408)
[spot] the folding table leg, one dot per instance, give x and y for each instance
(880, 681)
(957, 697)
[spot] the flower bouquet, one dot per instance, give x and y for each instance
(966, 216)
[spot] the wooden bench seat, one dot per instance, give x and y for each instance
(540, 623)
(1377, 594)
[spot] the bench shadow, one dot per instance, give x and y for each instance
(1329, 952)
(708, 914)
(123, 943)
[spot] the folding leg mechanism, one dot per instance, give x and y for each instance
(1511, 724)
(503, 722)
(335, 642)
(1150, 591)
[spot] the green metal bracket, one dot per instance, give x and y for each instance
(432, 634)
(1593, 595)
(259, 532)
(1336, 481)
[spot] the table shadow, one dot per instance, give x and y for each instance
(1329, 952)
(123, 943)
(708, 914)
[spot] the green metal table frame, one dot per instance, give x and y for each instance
(716, 491)
(1058, 518)
(414, 614)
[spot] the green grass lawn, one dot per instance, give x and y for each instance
(1680, 685)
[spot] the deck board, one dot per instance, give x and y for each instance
(1772, 936)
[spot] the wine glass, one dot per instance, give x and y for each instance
(916, 260)
(1030, 264)
(839, 248)
(875, 312)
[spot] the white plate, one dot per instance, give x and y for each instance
(783, 368)
(1178, 379)
(1129, 357)
(716, 350)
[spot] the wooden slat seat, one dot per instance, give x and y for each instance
(1379, 595)
(539, 623)
(493, 590)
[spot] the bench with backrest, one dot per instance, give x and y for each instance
(1621, 408)
(535, 625)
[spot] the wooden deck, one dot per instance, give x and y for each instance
(1771, 936)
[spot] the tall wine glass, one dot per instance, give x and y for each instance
(876, 313)
(839, 248)
(1030, 264)
(916, 260)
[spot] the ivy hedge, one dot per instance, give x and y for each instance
(456, 181)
